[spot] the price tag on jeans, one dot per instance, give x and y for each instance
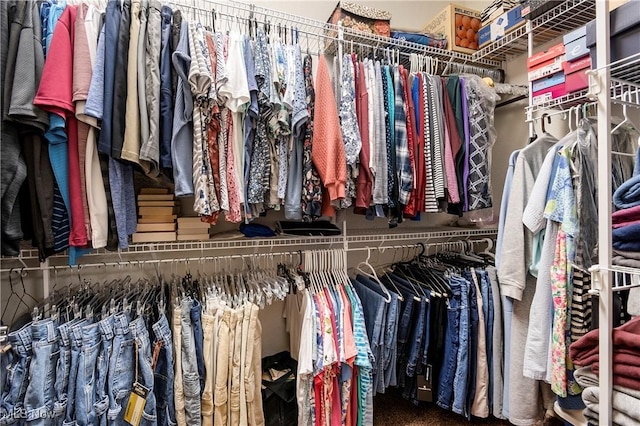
(135, 406)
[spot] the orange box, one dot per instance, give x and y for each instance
(460, 25)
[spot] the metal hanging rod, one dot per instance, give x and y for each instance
(124, 263)
(245, 11)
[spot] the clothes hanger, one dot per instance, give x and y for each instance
(372, 274)
(626, 120)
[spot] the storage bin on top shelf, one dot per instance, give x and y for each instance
(624, 33)
(460, 25)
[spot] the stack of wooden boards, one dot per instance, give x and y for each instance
(157, 213)
(158, 220)
(192, 229)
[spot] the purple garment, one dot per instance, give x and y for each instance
(465, 117)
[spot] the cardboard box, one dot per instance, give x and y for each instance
(575, 44)
(549, 94)
(576, 77)
(544, 69)
(575, 66)
(576, 81)
(460, 25)
(545, 55)
(548, 81)
(502, 25)
(624, 33)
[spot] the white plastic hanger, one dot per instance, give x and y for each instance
(372, 275)
(626, 120)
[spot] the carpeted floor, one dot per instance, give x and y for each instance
(391, 409)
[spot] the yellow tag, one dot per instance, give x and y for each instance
(135, 406)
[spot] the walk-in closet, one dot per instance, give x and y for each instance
(316, 213)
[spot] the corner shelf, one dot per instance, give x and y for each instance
(565, 17)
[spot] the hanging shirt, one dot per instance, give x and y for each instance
(182, 137)
(404, 173)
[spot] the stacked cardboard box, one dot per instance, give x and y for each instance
(192, 229)
(157, 213)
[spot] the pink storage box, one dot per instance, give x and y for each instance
(576, 81)
(576, 74)
(546, 55)
(549, 93)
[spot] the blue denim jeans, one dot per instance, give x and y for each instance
(447, 373)
(404, 324)
(190, 376)
(121, 369)
(40, 394)
(196, 324)
(75, 337)
(12, 404)
(86, 378)
(461, 379)
(373, 306)
(101, 404)
(474, 320)
(163, 374)
(62, 371)
(487, 298)
(144, 375)
(415, 353)
(391, 341)
(427, 328)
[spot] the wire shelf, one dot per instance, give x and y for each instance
(625, 81)
(323, 36)
(623, 277)
(567, 16)
(28, 258)
(564, 102)
(513, 43)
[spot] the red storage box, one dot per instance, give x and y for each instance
(546, 55)
(576, 74)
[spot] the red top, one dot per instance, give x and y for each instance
(55, 95)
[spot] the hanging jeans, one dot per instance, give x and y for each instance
(62, 372)
(461, 379)
(101, 404)
(447, 373)
(196, 324)
(75, 337)
(40, 394)
(12, 409)
(162, 364)
(85, 382)
(190, 377)
(144, 373)
(121, 373)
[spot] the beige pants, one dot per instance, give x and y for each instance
(234, 378)
(131, 144)
(243, 363)
(178, 390)
(253, 380)
(220, 396)
(207, 396)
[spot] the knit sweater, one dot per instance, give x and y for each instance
(327, 152)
